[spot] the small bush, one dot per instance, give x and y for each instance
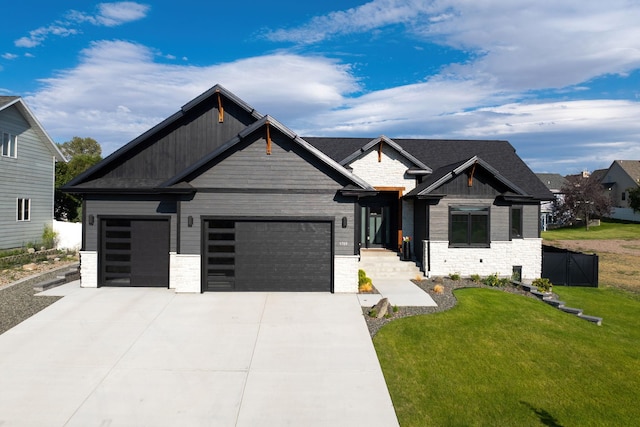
(438, 289)
(361, 276)
(49, 237)
(364, 282)
(475, 278)
(373, 313)
(395, 308)
(491, 280)
(454, 276)
(543, 284)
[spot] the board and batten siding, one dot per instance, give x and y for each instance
(29, 176)
(126, 206)
(183, 143)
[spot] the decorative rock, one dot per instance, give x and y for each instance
(381, 308)
(29, 267)
(56, 259)
(31, 250)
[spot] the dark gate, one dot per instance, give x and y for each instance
(568, 268)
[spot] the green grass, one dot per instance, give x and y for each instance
(504, 360)
(605, 231)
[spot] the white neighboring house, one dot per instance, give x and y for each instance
(548, 209)
(27, 172)
(622, 176)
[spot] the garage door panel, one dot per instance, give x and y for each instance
(283, 256)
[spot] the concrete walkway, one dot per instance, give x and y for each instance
(399, 291)
(151, 357)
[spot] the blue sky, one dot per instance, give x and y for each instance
(559, 80)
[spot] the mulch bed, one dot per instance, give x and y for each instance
(445, 300)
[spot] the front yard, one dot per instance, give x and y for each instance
(502, 359)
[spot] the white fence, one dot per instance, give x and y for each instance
(69, 235)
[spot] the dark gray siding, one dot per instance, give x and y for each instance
(420, 223)
(287, 167)
(181, 144)
(439, 218)
(263, 205)
(29, 176)
(482, 185)
(531, 221)
(126, 206)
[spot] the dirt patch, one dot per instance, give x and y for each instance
(625, 247)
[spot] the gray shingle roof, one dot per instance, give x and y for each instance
(553, 181)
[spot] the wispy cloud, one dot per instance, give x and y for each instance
(107, 14)
(9, 56)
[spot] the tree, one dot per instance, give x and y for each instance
(634, 199)
(82, 153)
(585, 198)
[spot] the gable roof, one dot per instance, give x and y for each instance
(553, 181)
(157, 129)
(443, 154)
(449, 172)
(631, 167)
(383, 139)
(8, 101)
(264, 121)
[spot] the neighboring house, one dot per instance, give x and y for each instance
(549, 209)
(27, 170)
(220, 197)
(622, 176)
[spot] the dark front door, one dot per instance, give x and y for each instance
(379, 222)
(134, 252)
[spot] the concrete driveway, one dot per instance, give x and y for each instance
(151, 357)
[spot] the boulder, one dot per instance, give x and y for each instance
(29, 267)
(381, 308)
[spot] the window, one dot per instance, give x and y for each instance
(469, 226)
(516, 222)
(24, 210)
(624, 195)
(9, 145)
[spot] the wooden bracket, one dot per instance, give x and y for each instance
(470, 178)
(268, 140)
(220, 109)
(380, 151)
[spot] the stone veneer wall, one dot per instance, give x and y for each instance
(184, 272)
(499, 258)
(345, 273)
(89, 269)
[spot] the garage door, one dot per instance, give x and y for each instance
(273, 255)
(134, 252)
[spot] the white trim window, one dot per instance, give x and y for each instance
(9, 145)
(24, 210)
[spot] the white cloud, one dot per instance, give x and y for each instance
(108, 14)
(9, 56)
(118, 91)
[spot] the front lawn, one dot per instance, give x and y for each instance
(502, 359)
(604, 231)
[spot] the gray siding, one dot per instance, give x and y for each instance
(266, 205)
(126, 207)
(182, 144)
(531, 221)
(439, 218)
(30, 176)
(482, 185)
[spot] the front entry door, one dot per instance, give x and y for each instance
(378, 227)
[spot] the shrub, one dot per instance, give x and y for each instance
(491, 280)
(364, 282)
(543, 284)
(454, 276)
(475, 278)
(49, 237)
(438, 289)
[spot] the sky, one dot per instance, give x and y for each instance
(560, 80)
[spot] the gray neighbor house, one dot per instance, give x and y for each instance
(27, 167)
(219, 197)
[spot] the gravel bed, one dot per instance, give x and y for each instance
(19, 302)
(445, 300)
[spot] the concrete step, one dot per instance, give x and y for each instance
(554, 302)
(576, 311)
(592, 319)
(48, 284)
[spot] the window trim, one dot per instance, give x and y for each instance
(10, 145)
(513, 208)
(469, 211)
(23, 210)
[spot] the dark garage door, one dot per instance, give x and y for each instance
(134, 252)
(256, 255)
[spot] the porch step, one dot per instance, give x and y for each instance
(384, 263)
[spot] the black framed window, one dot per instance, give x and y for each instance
(23, 210)
(516, 222)
(469, 226)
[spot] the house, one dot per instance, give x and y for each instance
(549, 209)
(622, 176)
(27, 166)
(221, 197)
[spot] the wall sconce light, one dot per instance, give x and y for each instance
(189, 221)
(91, 219)
(344, 222)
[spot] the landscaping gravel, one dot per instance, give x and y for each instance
(19, 302)
(445, 300)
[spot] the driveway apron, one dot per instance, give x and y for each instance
(151, 357)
